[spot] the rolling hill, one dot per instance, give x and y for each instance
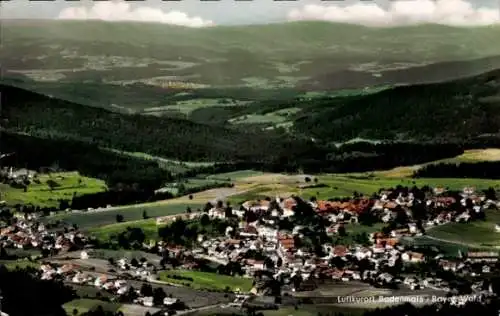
(141, 65)
(457, 110)
(38, 115)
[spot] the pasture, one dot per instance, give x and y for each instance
(86, 220)
(479, 234)
(206, 280)
(83, 306)
(104, 233)
(336, 185)
(21, 264)
(47, 189)
(470, 156)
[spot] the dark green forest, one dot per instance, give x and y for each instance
(38, 115)
(479, 170)
(419, 123)
(455, 110)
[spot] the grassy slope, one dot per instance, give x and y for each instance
(255, 185)
(130, 213)
(476, 234)
(86, 305)
(473, 155)
(207, 280)
(22, 264)
(41, 195)
(345, 185)
(148, 226)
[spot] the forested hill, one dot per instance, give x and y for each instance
(43, 116)
(454, 110)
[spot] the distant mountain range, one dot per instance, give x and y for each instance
(253, 93)
(306, 55)
(436, 72)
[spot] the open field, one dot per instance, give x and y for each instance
(65, 185)
(250, 184)
(130, 213)
(206, 280)
(473, 155)
(13, 264)
(448, 248)
(477, 155)
(475, 234)
(148, 226)
(185, 107)
(84, 305)
(336, 185)
(358, 228)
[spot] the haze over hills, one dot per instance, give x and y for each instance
(55, 55)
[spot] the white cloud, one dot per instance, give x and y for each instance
(400, 12)
(122, 11)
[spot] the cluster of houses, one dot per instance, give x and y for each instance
(71, 273)
(279, 254)
(17, 174)
(262, 249)
(29, 233)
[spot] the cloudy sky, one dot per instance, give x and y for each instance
(198, 13)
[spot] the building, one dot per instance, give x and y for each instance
(482, 256)
(497, 228)
(285, 243)
(413, 257)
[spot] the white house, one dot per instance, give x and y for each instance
(168, 301)
(497, 228)
(413, 257)
(268, 232)
(147, 301)
(217, 213)
(122, 290)
(84, 255)
(413, 228)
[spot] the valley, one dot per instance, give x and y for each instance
(146, 169)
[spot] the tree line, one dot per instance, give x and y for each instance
(485, 170)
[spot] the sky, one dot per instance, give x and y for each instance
(198, 13)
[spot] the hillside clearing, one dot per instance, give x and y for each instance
(472, 155)
(65, 186)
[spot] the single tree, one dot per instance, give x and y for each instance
(119, 218)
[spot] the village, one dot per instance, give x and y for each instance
(286, 247)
